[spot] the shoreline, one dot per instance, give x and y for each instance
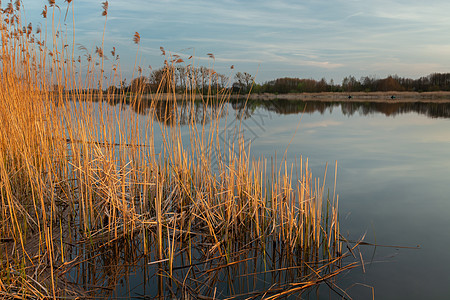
(374, 97)
(380, 97)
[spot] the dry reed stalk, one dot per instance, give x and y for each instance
(71, 157)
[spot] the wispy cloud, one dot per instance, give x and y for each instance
(315, 38)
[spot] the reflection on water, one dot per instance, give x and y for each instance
(393, 185)
(285, 107)
(129, 268)
(196, 111)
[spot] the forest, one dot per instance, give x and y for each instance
(205, 80)
(430, 83)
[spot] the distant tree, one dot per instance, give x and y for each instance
(322, 86)
(243, 81)
(310, 85)
(350, 84)
(158, 80)
(439, 81)
(112, 90)
(332, 86)
(223, 81)
(389, 84)
(248, 79)
(368, 84)
(257, 88)
(206, 80)
(140, 85)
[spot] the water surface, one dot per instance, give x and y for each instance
(393, 183)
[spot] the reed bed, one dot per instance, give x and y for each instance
(88, 194)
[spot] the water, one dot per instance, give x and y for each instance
(393, 184)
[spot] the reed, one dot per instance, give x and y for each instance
(88, 191)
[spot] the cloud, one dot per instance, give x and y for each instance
(321, 64)
(318, 38)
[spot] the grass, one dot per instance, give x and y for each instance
(88, 194)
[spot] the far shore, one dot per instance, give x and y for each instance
(379, 97)
(383, 97)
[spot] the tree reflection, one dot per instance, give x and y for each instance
(285, 107)
(184, 112)
(199, 112)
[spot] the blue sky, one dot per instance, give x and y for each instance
(271, 39)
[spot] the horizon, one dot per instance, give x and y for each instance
(269, 40)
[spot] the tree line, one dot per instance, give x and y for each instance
(432, 82)
(206, 80)
(176, 79)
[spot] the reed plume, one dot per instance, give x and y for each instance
(105, 6)
(136, 38)
(85, 176)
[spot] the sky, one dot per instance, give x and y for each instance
(271, 39)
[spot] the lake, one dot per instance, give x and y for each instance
(393, 181)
